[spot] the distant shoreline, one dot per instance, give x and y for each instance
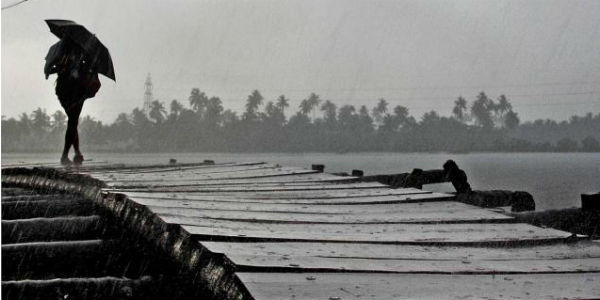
(319, 125)
(295, 152)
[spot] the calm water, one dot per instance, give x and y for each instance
(556, 180)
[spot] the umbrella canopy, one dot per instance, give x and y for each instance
(96, 52)
(54, 53)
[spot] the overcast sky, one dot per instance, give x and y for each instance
(545, 55)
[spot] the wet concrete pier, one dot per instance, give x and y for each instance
(256, 230)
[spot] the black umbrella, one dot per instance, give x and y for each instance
(54, 53)
(97, 53)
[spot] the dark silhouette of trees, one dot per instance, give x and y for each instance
(282, 104)
(329, 110)
(198, 101)
(511, 120)
(175, 109)
(402, 116)
(274, 115)
(252, 104)
(13, 132)
(40, 121)
(121, 132)
(379, 111)
(313, 102)
(213, 114)
(482, 110)
(459, 112)
(503, 111)
(206, 125)
(566, 145)
(347, 116)
(157, 112)
(59, 121)
(590, 144)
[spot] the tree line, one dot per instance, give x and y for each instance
(205, 125)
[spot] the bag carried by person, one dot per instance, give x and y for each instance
(90, 84)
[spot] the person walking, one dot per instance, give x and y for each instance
(77, 59)
(76, 82)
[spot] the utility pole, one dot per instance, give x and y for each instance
(148, 98)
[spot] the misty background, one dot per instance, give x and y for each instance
(420, 56)
(543, 55)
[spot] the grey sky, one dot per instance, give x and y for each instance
(545, 55)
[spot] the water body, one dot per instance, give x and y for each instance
(555, 180)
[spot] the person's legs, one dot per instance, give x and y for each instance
(76, 141)
(64, 158)
(78, 158)
(71, 135)
(71, 125)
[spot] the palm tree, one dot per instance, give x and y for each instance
(198, 101)
(313, 101)
(503, 105)
(122, 129)
(481, 111)
(329, 112)
(511, 120)
(274, 111)
(271, 113)
(40, 120)
(252, 103)
(308, 105)
(305, 107)
(401, 113)
(346, 115)
(282, 103)
(501, 109)
(214, 109)
(157, 111)
(25, 123)
(175, 108)
(430, 118)
(365, 119)
(270, 109)
(122, 118)
(379, 111)
(229, 117)
(138, 118)
(460, 110)
(59, 121)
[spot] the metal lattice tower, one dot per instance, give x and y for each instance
(148, 98)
